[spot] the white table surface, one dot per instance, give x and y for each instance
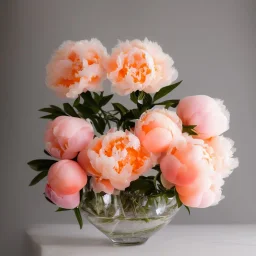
(207, 240)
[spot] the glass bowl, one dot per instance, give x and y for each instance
(128, 218)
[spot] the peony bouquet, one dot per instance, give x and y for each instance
(150, 151)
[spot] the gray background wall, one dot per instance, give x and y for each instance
(213, 44)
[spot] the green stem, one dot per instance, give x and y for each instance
(156, 179)
(106, 118)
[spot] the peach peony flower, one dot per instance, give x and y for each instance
(64, 201)
(223, 160)
(140, 65)
(115, 159)
(157, 129)
(66, 177)
(66, 136)
(204, 192)
(190, 165)
(98, 185)
(185, 162)
(209, 115)
(77, 67)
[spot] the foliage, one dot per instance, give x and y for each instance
(42, 166)
(189, 129)
(78, 217)
(91, 106)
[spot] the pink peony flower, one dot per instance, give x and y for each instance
(66, 136)
(64, 201)
(157, 129)
(204, 192)
(209, 115)
(223, 160)
(185, 162)
(140, 65)
(66, 177)
(77, 67)
(116, 158)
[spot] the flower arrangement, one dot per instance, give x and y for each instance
(112, 151)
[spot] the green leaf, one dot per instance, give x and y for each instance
(136, 113)
(81, 194)
(89, 102)
(69, 110)
(51, 116)
(54, 110)
(141, 186)
(48, 110)
(147, 177)
(169, 103)
(179, 203)
(192, 133)
(62, 210)
(41, 164)
(38, 178)
(46, 153)
(98, 123)
(113, 118)
(133, 98)
(165, 90)
(48, 199)
(101, 123)
(156, 178)
(170, 193)
(84, 111)
(120, 108)
(189, 126)
(57, 108)
(147, 101)
(187, 209)
(97, 97)
(141, 96)
(131, 115)
(189, 129)
(76, 102)
(105, 100)
(157, 168)
(127, 125)
(78, 217)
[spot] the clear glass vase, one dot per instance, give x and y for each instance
(128, 218)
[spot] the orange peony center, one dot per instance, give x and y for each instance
(135, 158)
(137, 68)
(76, 67)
